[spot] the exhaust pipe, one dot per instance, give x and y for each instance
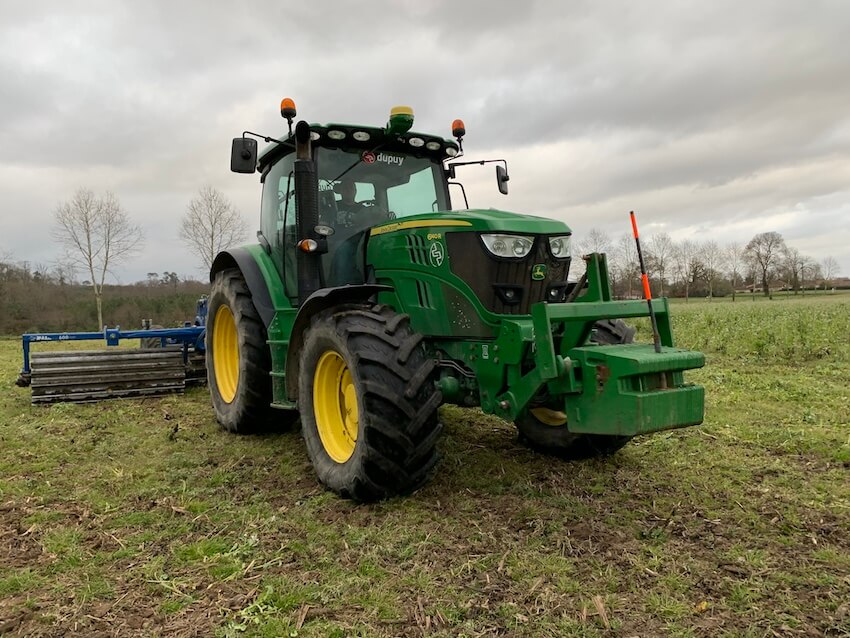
(307, 213)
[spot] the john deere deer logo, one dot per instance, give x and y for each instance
(538, 272)
(436, 254)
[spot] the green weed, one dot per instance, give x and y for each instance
(737, 527)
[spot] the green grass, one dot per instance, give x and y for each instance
(111, 522)
(802, 328)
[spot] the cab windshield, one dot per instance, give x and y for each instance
(360, 189)
(392, 185)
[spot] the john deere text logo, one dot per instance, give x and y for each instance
(538, 272)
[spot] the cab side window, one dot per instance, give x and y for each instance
(278, 208)
(278, 217)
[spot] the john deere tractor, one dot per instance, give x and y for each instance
(370, 300)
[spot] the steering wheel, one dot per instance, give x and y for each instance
(376, 211)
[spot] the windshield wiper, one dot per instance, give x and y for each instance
(359, 160)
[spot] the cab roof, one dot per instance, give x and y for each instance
(366, 138)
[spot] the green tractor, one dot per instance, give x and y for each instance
(369, 302)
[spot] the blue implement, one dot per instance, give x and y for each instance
(168, 357)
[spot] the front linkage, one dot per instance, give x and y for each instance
(621, 390)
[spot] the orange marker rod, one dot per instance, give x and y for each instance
(647, 293)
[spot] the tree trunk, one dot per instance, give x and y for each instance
(765, 286)
(98, 295)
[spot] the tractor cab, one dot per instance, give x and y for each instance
(365, 176)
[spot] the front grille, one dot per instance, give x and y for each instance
(505, 286)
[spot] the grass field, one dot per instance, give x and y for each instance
(142, 518)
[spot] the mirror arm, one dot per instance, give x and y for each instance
(267, 139)
(480, 163)
(449, 171)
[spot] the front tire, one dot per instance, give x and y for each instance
(238, 360)
(544, 428)
(368, 403)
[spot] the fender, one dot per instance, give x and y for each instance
(260, 275)
(316, 303)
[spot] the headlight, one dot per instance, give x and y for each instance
(560, 246)
(516, 246)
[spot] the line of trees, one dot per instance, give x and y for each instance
(690, 268)
(39, 298)
(97, 234)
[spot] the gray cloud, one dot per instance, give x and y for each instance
(717, 118)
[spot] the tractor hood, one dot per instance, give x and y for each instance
(490, 220)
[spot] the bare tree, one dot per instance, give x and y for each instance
(97, 234)
(170, 279)
(686, 263)
(41, 273)
(711, 257)
(625, 264)
(660, 251)
(830, 269)
(596, 241)
(64, 271)
(810, 271)
(766, 250)
(792, 265)
(6, 270)
(735, 257)
(211, 224)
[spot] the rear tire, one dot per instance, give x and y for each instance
(545, 429)
(368, 403)
(149, 343)
(238, 360)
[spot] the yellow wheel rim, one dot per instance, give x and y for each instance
(225, 354)
(549, 417)
(335, 406)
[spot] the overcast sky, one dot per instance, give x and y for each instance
(710, 119)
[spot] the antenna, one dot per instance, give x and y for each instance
(656, 338)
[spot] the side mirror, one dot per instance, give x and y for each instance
(502, 178)
(243, 155)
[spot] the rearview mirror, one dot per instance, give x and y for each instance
(243, 155)
(502, 178)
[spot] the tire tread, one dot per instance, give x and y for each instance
(398, 405)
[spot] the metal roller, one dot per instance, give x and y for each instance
(94, 375)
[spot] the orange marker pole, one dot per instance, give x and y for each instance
(647, 293)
